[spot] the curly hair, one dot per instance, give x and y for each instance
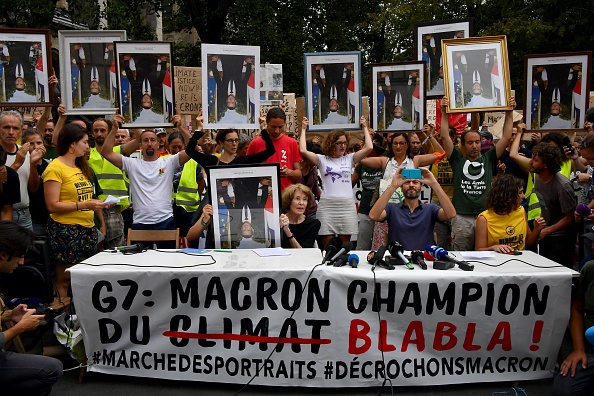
(328, 146)
(554, 137)
(503, 195)
(289, 194)
(395, 135)
(550, 154)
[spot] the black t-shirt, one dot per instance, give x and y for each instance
(305, 233)
(11, 189)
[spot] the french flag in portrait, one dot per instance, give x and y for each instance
(416, 107)
(41, 78)
(353, 100)
(113, 81)
(496, 85)
(252, 93)
(578, 104)
(168, 95)
(270, 220)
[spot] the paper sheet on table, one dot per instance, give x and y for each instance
(267, 252)
(110, 200)
(477, 255)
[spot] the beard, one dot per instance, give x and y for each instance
(412, 194)
(150, 152)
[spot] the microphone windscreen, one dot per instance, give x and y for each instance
(583, 210)
(353, 258)
(590, 335)
(428, 256)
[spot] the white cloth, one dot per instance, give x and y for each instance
(555, 122)
(335, 118)
(479, 101)
(398, 124)
(22, 96)
(150, 187)
(97, 102)
(23, 172)
(336, 176)
(233, 117)
(147, 116)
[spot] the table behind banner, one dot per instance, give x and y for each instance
(177, 316)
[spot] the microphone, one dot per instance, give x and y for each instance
(417, 257)
(397, 250)
(583, 210)
(442, 254)
(136, 248)
(341, 260)
(590, 335)
(377, 258)
(331, 248)
(345, 248)
(353, 260)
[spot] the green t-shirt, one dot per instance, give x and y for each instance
(472, 181)
(50, 152)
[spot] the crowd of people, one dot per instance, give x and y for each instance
(487, 195)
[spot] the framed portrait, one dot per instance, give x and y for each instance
(145, 86)
(427, 39)
(246, 202)
(271, 84)
(231, 74)
(398, 101)
(556, 90)
(333, 90)
(476, 74)
(25, 62)
(87, 70)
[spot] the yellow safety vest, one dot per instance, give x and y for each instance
(187, 195)
(111, 179)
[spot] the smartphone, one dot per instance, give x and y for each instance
(567, 143)
(412, 174)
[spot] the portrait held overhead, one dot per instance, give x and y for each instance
(231, 80)
(398, 96)
(89, 69)
(428, 38)
(24, 64)
(557, 90)
(145, 84)
(333, 90)
(477, 73)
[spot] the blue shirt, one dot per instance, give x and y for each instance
(413, 230)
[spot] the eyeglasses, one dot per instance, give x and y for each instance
(341, 143)
(399, 143)
(232, 141)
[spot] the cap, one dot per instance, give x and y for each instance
(487, 135)
(159, 131)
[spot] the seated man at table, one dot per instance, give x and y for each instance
(410, 222)
(21, 374)
(576, 376)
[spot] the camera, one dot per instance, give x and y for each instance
(411, 174)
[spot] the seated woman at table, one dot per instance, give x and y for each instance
(503, 227)
(200, 227)
(298, 230)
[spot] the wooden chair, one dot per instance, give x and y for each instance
(153, 236)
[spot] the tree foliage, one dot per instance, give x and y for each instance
(27, 13)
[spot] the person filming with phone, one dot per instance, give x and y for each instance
(410, 222)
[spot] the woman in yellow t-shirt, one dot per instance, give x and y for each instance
(68, 196)
(503, 227)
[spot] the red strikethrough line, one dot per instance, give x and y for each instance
(245, 337)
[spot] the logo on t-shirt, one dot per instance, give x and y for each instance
(333, 175)
(473, 170)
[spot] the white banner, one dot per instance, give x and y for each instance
(221, 325)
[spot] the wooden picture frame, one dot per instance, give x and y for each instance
(476, 74)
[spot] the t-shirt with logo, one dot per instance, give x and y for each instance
(472, 181)
(336, 176)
